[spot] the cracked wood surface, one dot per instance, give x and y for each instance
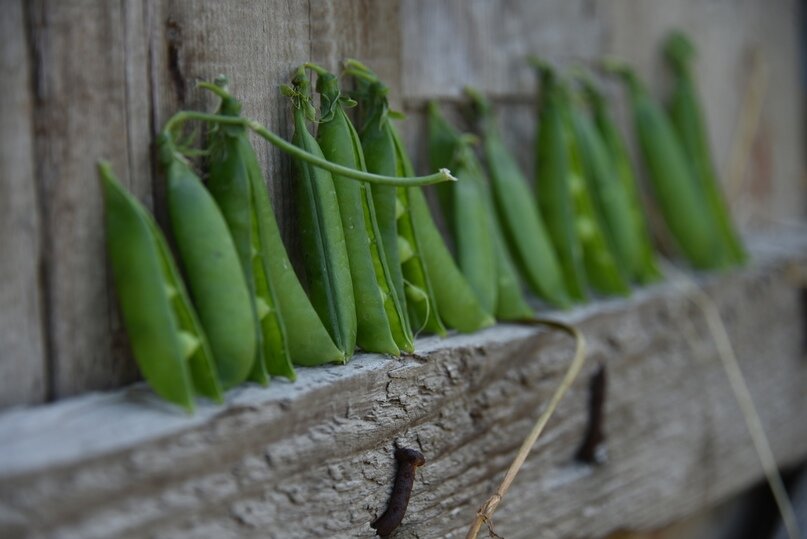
(314, 459)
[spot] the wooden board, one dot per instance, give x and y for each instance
(315, 458)
(85, 110)
(22, 335)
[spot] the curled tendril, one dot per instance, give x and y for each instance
(300, 99)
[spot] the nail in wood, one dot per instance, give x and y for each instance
(593, 449)
(408, 461)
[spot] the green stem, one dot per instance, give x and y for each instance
(220, 91)
(316, 68)
(442, 176)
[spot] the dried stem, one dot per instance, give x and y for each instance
(742, 395)
(485, 513)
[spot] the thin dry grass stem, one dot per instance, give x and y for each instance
(747, 127)
(485, 513)
(742, 395)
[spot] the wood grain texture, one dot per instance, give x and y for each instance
(314, 458)
(448, 45)
(83, 56)
(22, 344)
(257, 44)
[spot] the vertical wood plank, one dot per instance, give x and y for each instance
(256, 44)
(84, 94)
(448, 45)
(22, 346)
(363, 29)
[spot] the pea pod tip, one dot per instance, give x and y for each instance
(447, 175)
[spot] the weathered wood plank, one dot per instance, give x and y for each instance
(81, 116)
(448, 45)
(22, 344)
(363, 29)
(257, 44)
(314, 458)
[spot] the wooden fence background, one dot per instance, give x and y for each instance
(86, 79)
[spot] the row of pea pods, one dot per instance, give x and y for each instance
(377, 269)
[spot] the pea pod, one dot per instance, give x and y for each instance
(607, 192)
(481, 248)
(228, 184)
(236, 183)
(380, 158)
(602, 271)
(455, 301)
(510, 301)
(552, 183)
(308, 341)
(465, 207)
(210, 262)
(522, 225)
(437, 293)
(323, 240)
(685, 212)
(167, 339)
(688, 120)
(384, 156)
(383, 325)
(646, 268)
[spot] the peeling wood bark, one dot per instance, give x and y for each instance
(314, 458)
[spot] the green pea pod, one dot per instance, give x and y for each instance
(423, 307)
(465, 207)
(517, 213)
(607, 192)
(210, 263)
(384, 156)
(602, 271)
(323, 239)
(510, 301)
(167, 339)
(308, 341)
(645, 270)
(383, 325)
(236, 183)
(455, 300)
(685, 212)
(437, 292)
(380, 158)
(688, 120)
(552, 183)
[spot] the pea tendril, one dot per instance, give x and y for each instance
(173, 124)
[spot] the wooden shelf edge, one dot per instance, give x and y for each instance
(314, 458)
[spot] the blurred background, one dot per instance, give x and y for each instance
(90, 79)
